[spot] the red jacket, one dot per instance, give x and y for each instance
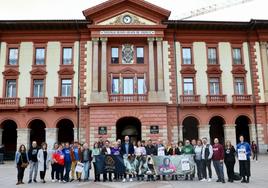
(218, 152)
(58, 157)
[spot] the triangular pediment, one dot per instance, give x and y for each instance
(112, 12)
(127, 18)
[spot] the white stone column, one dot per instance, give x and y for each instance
(104, 64)
(23, 137)
(51, 136)
(160, 74)
(230, 133)
(81, 135)
(265, 68)
(95, 64)
(180, 133)
(204, 132)
(151, 65)
(1, 136)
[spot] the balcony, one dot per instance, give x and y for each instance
(64, 102)
(36, 102)
(135, 98)
(216, 100)
(9, 103)
(242, 100)
(190, 100)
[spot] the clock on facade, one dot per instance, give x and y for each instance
(127, 19)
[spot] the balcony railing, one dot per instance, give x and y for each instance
(36, 102)
(128, 98)
(242, 99)
(190, 100)
(9, 103)
(216, 100)
(64, 101)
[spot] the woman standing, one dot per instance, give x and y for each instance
(58, 158)
(22, 161)
(198, 158)
(95, 151)
(53, 162)
(86, 160)
(43, 161)
(244, 152)
(229, 160)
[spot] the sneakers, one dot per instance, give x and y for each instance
(209, 180)
(30, 181)
(203, 180)
(35, 181)
(131, 180)
(124, 180)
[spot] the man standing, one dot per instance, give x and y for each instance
(32, 155)
(106, 150)
(150, 150)
(127, 149)
(207, 153)
(67, 161)
(218, 158)
(244, 153)
(76, 156)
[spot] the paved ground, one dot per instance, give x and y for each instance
(259, 179)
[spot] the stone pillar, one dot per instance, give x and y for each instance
(203, 131)
(180, 132)
(23, 137)
(95, 64)
(230, 134)
(151, 65)
(160, 74)
(51, 136)
(175, 134)
(1, 136)
(265, 68)
(82, 138)
(260, 132)
(103, 64)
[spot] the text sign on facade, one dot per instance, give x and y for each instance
(154, 129)
(127, 32)
(102, 130)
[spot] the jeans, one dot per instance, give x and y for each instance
(219, 169)
(53, 170)
(86, 170)
(59, 172)
(206, 164)
(67, 166)
(33, 169)
(20, 173)
(199, 169)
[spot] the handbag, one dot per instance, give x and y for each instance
(23, 165)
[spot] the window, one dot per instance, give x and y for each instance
(188, 86)
(212, 56)
(115, 56)
(67, 56)
(186, 56)
(128, 86)
(38, 88)
(40, 56)
(11, 88)
(13, 55)
(141, 86)
(239, 86)
(115, 86)
(140, 55)
(214, 86)
(66, 88)
(237, 60)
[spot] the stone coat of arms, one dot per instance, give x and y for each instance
(127, 54)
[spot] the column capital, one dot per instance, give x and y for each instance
(150, 39)
(159, 39)
(104, 39)
(95, 39)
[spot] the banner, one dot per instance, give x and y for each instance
(146, 165)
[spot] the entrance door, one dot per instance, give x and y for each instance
(65, 131)
(38, 132)
(242, 128)
(9, 139)
(216, 129)
(128, 126)
(190, 128)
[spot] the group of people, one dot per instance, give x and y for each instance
(64, 159)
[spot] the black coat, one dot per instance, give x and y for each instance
(151, 150)
(177, 151)
(130, 149)
(229, 155)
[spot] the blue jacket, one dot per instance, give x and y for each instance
(130, 149)
(17, 157)
(67, 155)
(246, 146)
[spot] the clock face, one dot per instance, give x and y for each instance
(127, 19)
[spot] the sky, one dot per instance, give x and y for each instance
(72, 9)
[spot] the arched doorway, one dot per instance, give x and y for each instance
(216, 129)
(65, 131)
(37, 132)
(9, 139)
(190, 128)
(242, 128)
(128, 126)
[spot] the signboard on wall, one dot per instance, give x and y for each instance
(102, 130)
(154, 129)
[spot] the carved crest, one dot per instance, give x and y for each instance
(127, 54)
